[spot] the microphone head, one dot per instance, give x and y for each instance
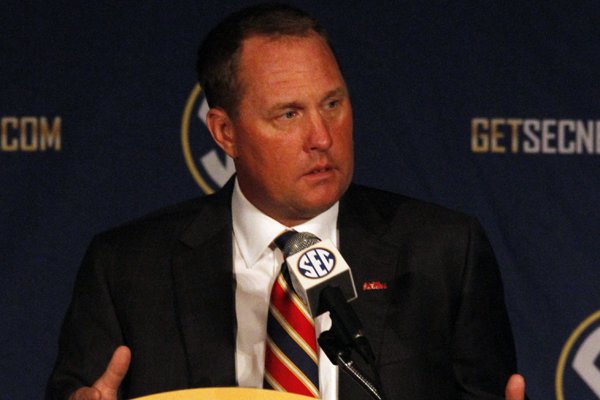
(298, 242)
(315, 264)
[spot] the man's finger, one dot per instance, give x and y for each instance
(109, 382)
(515, 388)
(86, 393)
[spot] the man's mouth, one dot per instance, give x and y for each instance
(320, 170)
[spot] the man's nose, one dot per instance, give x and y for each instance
(318, 133)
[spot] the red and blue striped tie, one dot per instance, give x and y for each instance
(291, 358)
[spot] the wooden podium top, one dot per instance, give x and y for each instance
(226, 393)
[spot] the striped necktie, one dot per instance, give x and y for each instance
(291, 361)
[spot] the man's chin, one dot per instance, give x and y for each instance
(312, 208)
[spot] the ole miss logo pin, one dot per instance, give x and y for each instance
(316, 263)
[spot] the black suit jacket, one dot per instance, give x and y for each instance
(163, 285)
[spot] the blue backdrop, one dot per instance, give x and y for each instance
(490, 108)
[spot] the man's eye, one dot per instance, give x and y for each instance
(332, 104)
(289, 114)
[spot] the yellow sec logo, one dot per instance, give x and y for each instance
(207, 163)
(578, 369)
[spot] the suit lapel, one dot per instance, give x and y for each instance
(372, 260)
(204, 293)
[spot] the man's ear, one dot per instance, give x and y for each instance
(221, 128)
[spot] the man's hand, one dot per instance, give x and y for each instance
(107, 386)
(515, 388)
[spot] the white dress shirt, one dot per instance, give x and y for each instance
(256, 265)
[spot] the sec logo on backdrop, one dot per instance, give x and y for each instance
(578, 369)
(207, 163)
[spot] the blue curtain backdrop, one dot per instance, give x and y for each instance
(490, 108)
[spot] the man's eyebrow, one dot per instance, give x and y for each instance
(338, 92)
(341, 91)
(285, 105)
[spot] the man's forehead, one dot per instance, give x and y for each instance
(270, 38)
(273, 54)
(256, 45)
(280, 70)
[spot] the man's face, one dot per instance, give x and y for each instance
(292, 136)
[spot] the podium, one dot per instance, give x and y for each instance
(225, 393)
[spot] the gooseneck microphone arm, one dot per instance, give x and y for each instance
(345, 335)
(346, 322)
(341, 356)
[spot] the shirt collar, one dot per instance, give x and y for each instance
(254, 231)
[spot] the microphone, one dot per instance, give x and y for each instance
(323, 280)
(314, 265)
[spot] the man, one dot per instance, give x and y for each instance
(163, 291)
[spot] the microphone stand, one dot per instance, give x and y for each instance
(341, 356)
(345, 335)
